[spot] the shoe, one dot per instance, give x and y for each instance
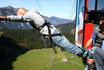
(80, 54)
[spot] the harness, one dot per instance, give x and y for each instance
(49, 30)
(50, 35)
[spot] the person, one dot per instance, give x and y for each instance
(37, 21)
(99, 58)
(93, 37)
(98, 37)
(99, 51)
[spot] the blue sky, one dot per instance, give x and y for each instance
(59, 8)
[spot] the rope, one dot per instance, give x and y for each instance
(51, 57)
(40, 6)
(62, 53)
(49, 53)
(73, 10)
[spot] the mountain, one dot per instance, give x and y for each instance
(56, 20)
(69, 27)
(9, 10)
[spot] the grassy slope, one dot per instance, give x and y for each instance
(45, 59)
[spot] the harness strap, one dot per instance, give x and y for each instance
(53, 44)
(52, 35)
(39, 28)
(49, 34)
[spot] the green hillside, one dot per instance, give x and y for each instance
(44, 59)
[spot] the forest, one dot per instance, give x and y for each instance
(27, 38)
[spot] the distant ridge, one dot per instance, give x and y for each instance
(9, 10)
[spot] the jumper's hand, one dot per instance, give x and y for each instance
(2, 17)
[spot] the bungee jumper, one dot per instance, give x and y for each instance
(38, 22)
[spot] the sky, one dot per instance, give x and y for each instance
(58, 8)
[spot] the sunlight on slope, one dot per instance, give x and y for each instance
(45, 59)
